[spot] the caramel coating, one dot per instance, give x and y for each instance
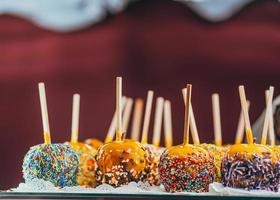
(120, 162)
(184, 150)
(95, 143)
(248, 150)
(217, 153)
(250, 167)
(56, 163)
(87, 164)
(276, 151)
(154, 157)
(186, 168)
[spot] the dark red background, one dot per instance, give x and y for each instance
(159, 45)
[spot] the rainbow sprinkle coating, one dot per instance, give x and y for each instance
(257, 172)
(217, 153)
(57, 163)
(189, 173)
(276, 151)
(87, 164)
(154, 156)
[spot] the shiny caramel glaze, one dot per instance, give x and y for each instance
(121, 161)
(276, 151)
(186, 168)
(85, 148)
(184, 150)
(154, 157)
(115, 152)
(95, 143)
(217, 152)
(87, 164)
(250, 149)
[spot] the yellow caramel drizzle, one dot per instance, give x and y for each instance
(119, 135)
(47, 138)
(157, 143)
(219, 143)
(108, 139)
(144, 140)
(249, 136)
(168, 143)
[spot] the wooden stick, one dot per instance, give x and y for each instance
(168, 124)
(44, 113)
(158, 121)
(147, 116)
(112, 129)
(119, 130)
(127, 114)
(193, 126)
(137, 118)
(241, 127)
(271, 131)
(217, 119)
(244, 106)
(187, 114)
(75, 118)
(267, 116)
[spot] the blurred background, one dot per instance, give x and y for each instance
(82, 45)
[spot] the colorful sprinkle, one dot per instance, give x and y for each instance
(57, 163)
(154, 156)
(119, 163)
(257, 172)
(87, 164)
(217, 153)
(192, 172)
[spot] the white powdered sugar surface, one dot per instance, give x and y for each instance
(219, 189)
(39, 186)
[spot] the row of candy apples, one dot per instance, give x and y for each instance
(186, 167)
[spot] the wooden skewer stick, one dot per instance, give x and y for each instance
(217, 119)
(44, 113)
(168, 124)
(119, 130)
(75, 118)
(147, 116)
(244, 106)
(127, 114)
(267, 116)
(137, 118)
(241, 127)
(193, 126)
(158, 121)
(187, 114)
(112, 129)
(271, 131)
